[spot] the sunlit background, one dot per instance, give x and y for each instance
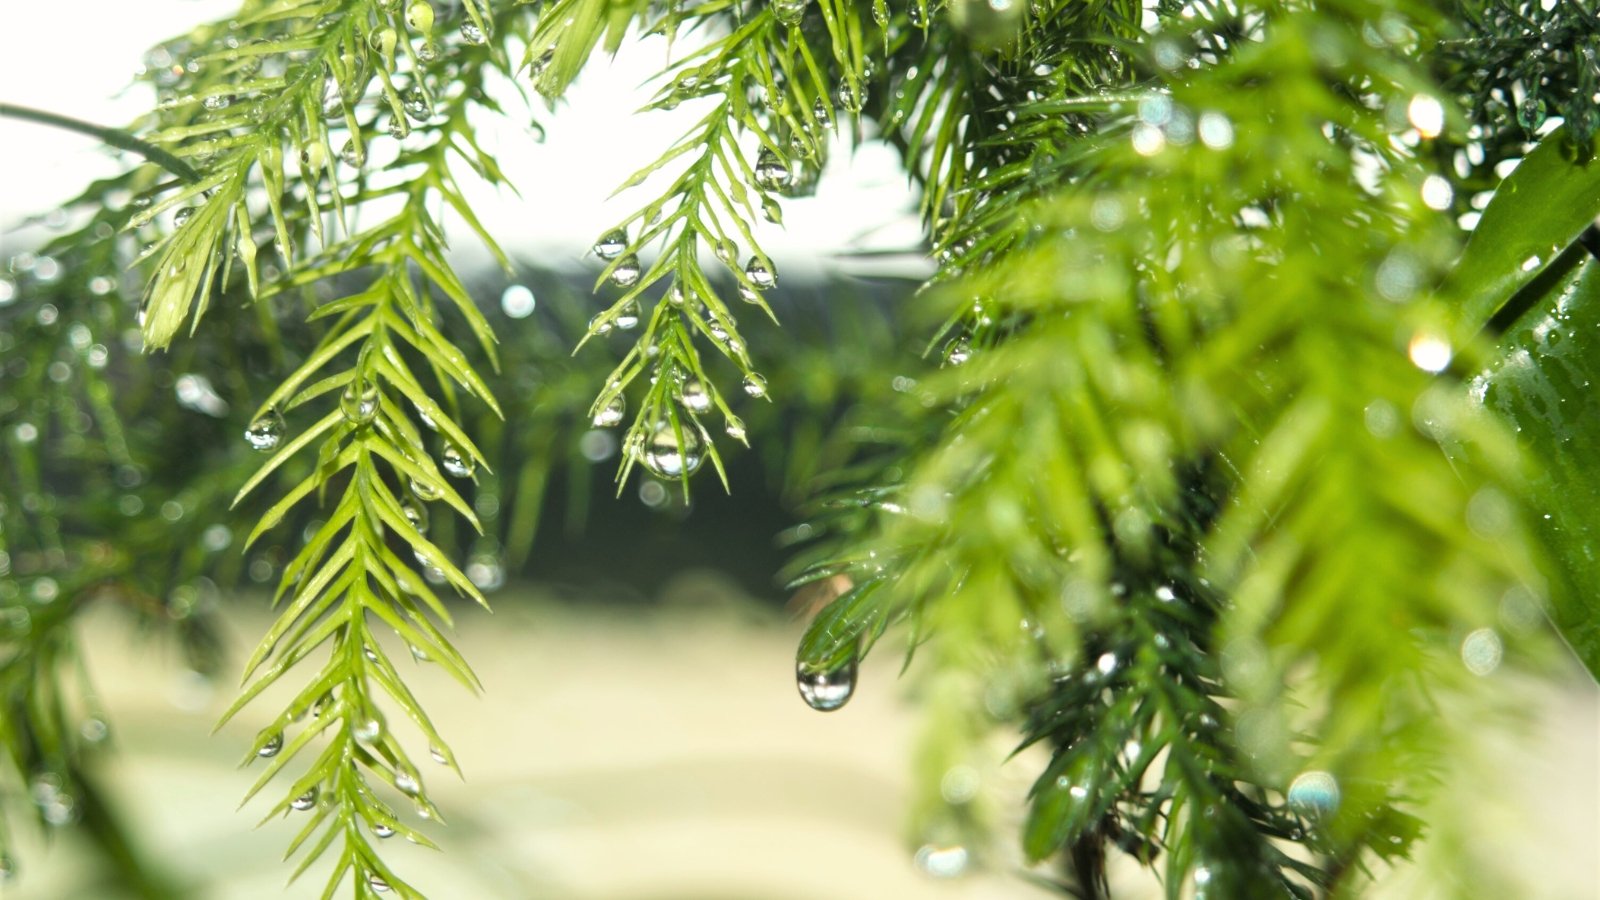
(640, 737)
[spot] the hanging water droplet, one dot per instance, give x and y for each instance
(353, 154)
(265, 433)
(823, 689)
(383, 830)
(398, 127)
(726, 251)
(376, 882)
(760, 274)
(271, 747)
(755, 385)
(305, 801)
(216, 101)
(676, 297)
(819, 111)
(367, 731)
(407, 783)
(425, 490)
(419, 654)
(611, 244)
(416, 514)
(471, 33)
(438, 755)
(359, 403)
(611, 413)
(789, 12)
(416, 103)
(851, 100)
(1530, 112)
(772, 173)
(419, 16)
(717, 328)
(942, 861)
(917, 14)
(457, 462)
(626, 273)
(735, 428)
(182, 216)
(665, 458)
(695, 396)
(628, 316)
(957, 352)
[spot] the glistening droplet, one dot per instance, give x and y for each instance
(665, 458)
(304, 801)
(761, 275)
(626, 273)
(456, 462)
(377, 883)
(772, 173)
(695, 396)
(825, 689)
(957, 352)
(359, 403)
(611, 413)
(265, 433)
(611, 244)
(383, 829)
(271, 747)
(755, 385)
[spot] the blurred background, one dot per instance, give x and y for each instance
(639, 737)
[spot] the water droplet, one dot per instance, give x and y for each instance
(772, 173)
(726, 251)
(271, 747)
(957, 352)
(695, 396)
(748, 295)
(1530, 112)
(819, 111)
(457, 462)
(755, 385)
(438, 755)
(611, 413)
(663, 456)
(538, 66)
(735, 428)
(789, 12)
(182, 216)
(628, 316)
(305, 801)
(367, 731)
(377, 883)
(471, 33)
(383, 829)
(416, 514)
(826, 689)
(600, 325)
(419, 16)
(626, 273)
(265, 433)
(359, 403)
(353, 154)
(611, 244)
(419, 654)
(425, 491)
(407, 783)
(216, 101)
(761, 275)
(851, 101)
(1314, 793)
(428, 52)
(416, 103)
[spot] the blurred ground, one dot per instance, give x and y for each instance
(660, 753)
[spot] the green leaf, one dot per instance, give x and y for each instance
(1547, 385)
(1537, 212)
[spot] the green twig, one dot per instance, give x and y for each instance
(112, 136)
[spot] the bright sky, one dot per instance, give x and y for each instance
(594, 142)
